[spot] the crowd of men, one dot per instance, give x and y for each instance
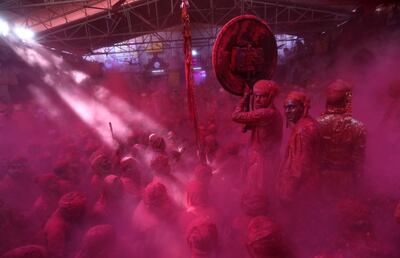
(151, 196)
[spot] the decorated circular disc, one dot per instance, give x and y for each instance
(245, 51)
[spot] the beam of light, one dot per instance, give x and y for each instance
(57, 60)
(96, 115)
(44, 101)
(24, 33)
(79, 76)
(31, 56)
(102, 93)
(35, 54)
(4, 28)
(92, 112)
(95, 111)
(126, 111)
(48, 79)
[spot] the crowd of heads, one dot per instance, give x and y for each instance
(152, 196)
(65, 192)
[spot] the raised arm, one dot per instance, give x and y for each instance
(254, 117)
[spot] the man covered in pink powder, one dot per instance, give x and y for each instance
(265, 124)
(298, 176)
(343, 142)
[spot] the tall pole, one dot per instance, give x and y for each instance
(187, 49)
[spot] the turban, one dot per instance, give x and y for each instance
(155, 194)
(297, 96)
(267, 86)
(339, 97)
(97, 240)
(259, 228)
(202, 237)
(72, 204)
(28, 251)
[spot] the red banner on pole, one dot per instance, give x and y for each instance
(187, 48)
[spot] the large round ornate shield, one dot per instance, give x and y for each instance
(245, 51)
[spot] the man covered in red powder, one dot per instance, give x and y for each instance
(159, 162)
(265, 123)
(161, 166)
(14, 227)
(156, 222)
(101, 166)
(265, 239)
(62, 225)
(69, 173)
(17, 186)
(155, 208)
(298, 175)
(131, 178)
(28, 251)
(198, 199)
(47, 201)
(343, 142)
(202, 238)
(110, 203)
(98, 242)
(251, 206)
(356, 236)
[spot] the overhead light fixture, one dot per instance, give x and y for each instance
(156, 64)
(24, 33)
(194, 52)
(199, 76)
(4, 28)
(156, 67)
